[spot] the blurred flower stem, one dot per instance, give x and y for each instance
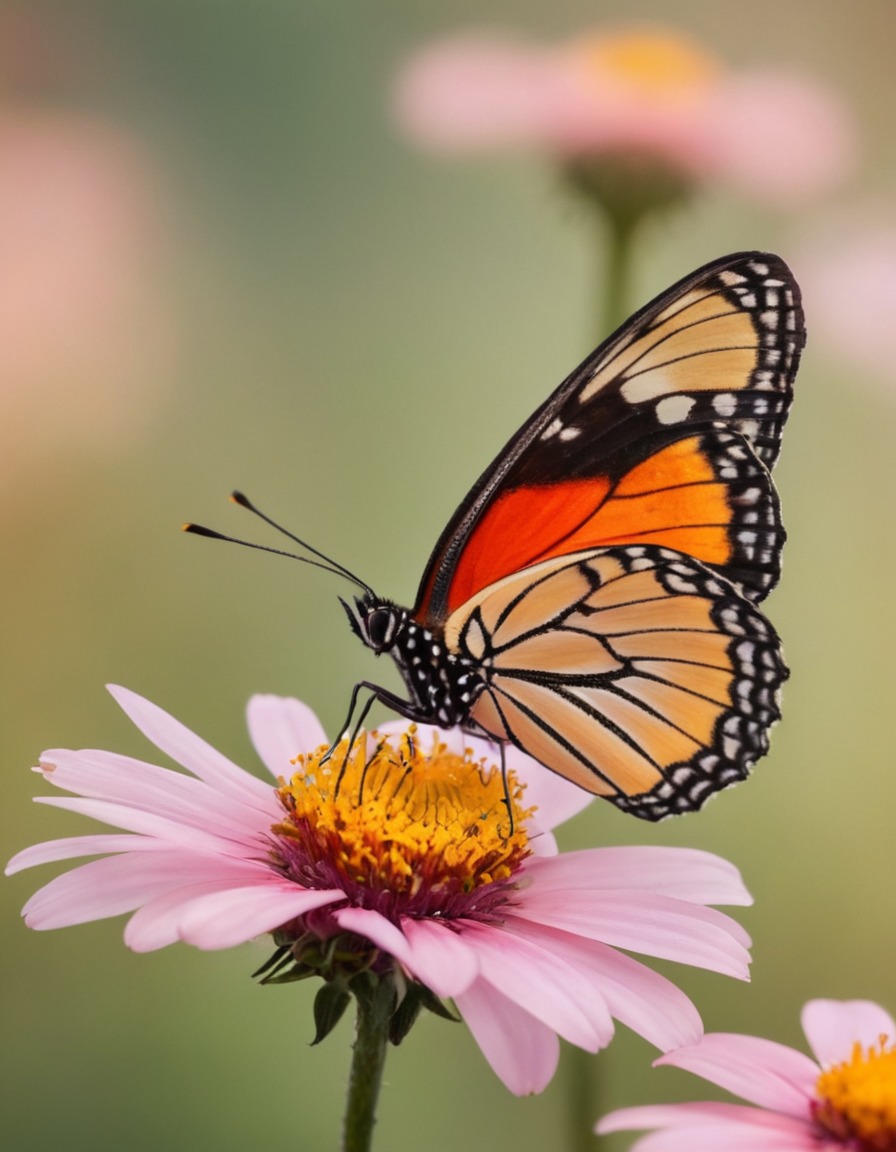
(582, 1100)
(617, 275)
(375, 999)
(624, 191)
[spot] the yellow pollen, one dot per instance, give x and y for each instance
(652, 62)
(405, 818)
(857, 1099)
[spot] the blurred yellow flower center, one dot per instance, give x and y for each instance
(857, 1099)
(405, 819)
(656, 63)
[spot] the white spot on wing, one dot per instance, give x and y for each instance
(674, 409)
(646, 387)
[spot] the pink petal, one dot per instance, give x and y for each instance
(432, 953)
(711, 1127)
(377, 929)
(189, 750)
(439, 958)
(147, 823)
(761, 1071)
(555, 799)
(642, 922)
(281, 728)
(73, 846)
(235, 915)
(542, 984)
(832, 1027)
(848, 273)
(109, 776)
(476, 92)
(119, 884)
(522, 1051)
(796, 120)
(685, 873)
(637, 996)
(203, 914)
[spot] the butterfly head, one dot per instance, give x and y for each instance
(376, 622)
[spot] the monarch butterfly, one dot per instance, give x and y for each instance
(592, 600)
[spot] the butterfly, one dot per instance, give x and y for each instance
(593, 600)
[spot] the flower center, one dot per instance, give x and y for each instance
(857, 1099)
(651, 63)
(405, 830)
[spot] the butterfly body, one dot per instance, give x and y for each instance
(442, 684)
(594, 598)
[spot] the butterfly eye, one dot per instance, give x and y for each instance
(379, 625)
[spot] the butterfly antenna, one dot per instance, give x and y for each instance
(323, 562)
(201, 530)
(333, 565)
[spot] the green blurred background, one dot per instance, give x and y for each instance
(298, 303)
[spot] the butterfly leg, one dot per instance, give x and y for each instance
(507, 801)
(384, 696)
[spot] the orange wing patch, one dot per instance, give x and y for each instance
(674, 498)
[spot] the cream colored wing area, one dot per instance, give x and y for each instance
(660, 359)
(618, 667)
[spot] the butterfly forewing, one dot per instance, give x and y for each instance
(663, 436)
(639, 674)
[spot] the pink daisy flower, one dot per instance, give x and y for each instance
(647, 95)
(409, 869)
(843, 1099)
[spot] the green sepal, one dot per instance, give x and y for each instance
(432, 1003)
(416, 998)
(330, 1004)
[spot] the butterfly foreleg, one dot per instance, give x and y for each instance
(508, 803)
(353, 724)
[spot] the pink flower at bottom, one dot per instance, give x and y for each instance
(400, 856)
(843, 1099)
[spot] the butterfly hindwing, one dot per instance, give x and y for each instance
(682, 409)
(637, 673)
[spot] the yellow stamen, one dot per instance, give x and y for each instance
(405, 820)
(857, 1099)
(656, 63)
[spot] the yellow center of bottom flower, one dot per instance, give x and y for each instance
(655, 62)
(420, 825)
(857, 1099)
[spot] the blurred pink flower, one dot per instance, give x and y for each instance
(630, 92)
(848, 273)
(84, 331)
(843, 1099)
(420, 878)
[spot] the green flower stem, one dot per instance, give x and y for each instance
(617, 272)
(582, 1109)
(376, 1003)
(624, 191)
